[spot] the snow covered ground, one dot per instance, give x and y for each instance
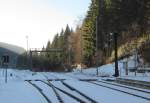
(17, 90)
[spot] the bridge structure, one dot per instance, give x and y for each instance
(37, 50)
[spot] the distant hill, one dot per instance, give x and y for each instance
(13, 48)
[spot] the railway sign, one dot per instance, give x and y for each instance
(5, 59)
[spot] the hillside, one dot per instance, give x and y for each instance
(13, 48)
(140, 45)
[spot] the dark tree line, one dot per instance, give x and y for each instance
(129, 18)
(91, 43)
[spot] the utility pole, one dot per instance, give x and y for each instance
(115, 35)
(27, 42)
(97, 46)
(69, 51)
(30, 60)
(27, 58)
(81, 41)
(69, 61)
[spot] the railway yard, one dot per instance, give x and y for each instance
(74, 87)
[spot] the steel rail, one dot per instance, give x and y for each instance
(40, 91)
(119, 90)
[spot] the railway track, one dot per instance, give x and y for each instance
(114, 84)
(59, 89)
(71, 88)
(56, 89)
(134, 83)
(56, 93)
(70, 94)
(40, 91)
(84, 95)
(57, 85)
(128, 87)
(121, 89)
(59, 98)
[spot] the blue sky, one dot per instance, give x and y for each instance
(39, 19)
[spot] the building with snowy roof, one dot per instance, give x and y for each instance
(12, 51)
